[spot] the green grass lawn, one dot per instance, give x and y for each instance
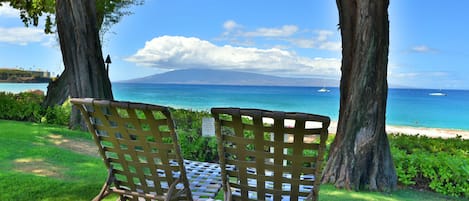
(44, 162)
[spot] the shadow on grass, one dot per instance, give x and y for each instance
(329, 192)
(18, 186)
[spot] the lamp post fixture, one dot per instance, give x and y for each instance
(108, 61)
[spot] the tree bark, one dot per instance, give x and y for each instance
(360, 156)
(84, 74)
(57, 91)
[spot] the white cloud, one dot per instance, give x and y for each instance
(284, 31)
(230, 25)
(175, 52)
(405, 75)
(410, 75)
(320, 41)
(332, 46)
(323, 35)
(51, 41)
(21, 35)
(7, 11)
(422, 49)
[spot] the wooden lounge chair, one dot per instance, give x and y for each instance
(270, 155)
(140, 148)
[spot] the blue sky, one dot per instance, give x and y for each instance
(429, 47)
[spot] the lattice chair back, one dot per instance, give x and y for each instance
(140, 149)
(270, 155)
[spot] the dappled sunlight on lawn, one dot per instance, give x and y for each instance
(366, 196)
(329, 192)
(37, 166)
(75, 145)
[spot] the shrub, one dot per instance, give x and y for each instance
(188, 119)
(194, 146)
(197, 147)
(58, 114)
(441, 165)
(26, 106)
(20, 107)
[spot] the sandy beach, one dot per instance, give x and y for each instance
(409, 130)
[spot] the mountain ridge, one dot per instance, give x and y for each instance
(228, 77)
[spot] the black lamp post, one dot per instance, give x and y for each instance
(108, 61)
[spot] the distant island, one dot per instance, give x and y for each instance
(227, 77)
(12, 75)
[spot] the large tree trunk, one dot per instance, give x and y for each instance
(84, 74)
(360, 156)
(57, 90)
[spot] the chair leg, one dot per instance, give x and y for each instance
(313, 196)
(172, 194)
(227, 194)
(103, 193)
(122, 198)
(104, 190)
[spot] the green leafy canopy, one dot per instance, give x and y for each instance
(108, 12)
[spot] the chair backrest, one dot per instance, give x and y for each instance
(270, 155)
(139, 146)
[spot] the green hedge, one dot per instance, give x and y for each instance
(26, 106)
(441, 165)
(20, 107)
(194, 146)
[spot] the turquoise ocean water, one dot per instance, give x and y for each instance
(406, 107)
